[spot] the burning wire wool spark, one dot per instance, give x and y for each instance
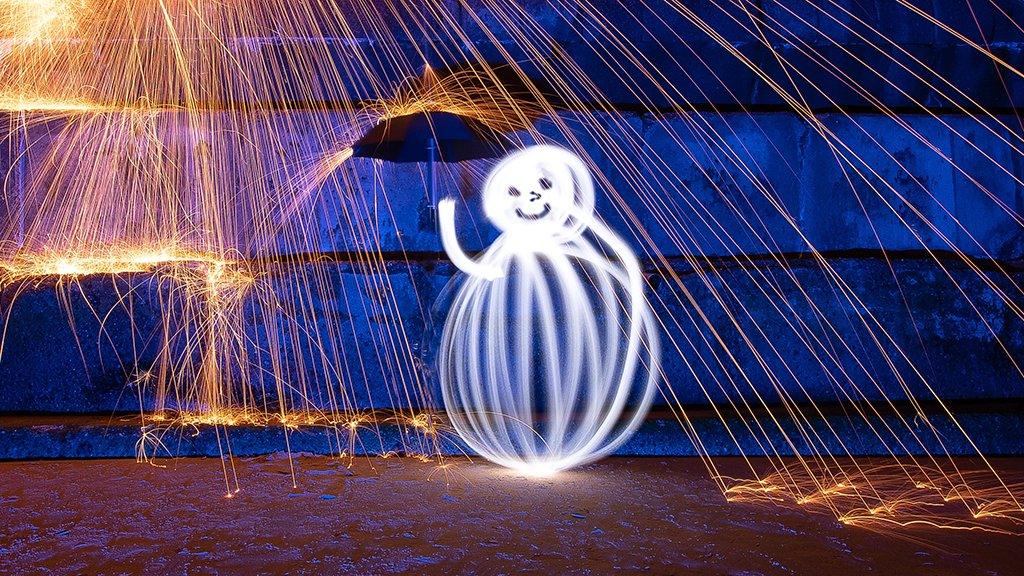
(30, 21)
(467, 93)
(879, 495)
(549, 355)
(111, 262)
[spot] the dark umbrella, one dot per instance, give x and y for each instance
(431, 137)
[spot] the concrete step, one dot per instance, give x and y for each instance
(993, 433)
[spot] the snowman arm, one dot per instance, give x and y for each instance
(450, 241)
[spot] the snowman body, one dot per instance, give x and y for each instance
(549, 354)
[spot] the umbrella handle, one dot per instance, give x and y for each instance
(432, 173)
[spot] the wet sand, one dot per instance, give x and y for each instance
(403, 516)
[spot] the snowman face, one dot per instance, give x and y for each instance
(542, 191)
(532, 194)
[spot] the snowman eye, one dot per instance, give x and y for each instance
(545, 183)
(513, 191)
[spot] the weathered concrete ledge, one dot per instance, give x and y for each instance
(782, 329)
(704, 183)
(119, 436)
(847, 54)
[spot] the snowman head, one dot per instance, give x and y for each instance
(540, 193)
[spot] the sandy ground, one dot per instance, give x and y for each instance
(395, 516)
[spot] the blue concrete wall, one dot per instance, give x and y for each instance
(768, 187)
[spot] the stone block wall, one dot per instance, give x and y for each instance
(900, 181)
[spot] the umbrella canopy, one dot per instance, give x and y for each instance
(429, 137)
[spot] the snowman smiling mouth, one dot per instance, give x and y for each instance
(537, 216)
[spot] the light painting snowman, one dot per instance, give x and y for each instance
(549, 355)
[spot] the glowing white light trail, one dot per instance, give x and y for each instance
(549, 355)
